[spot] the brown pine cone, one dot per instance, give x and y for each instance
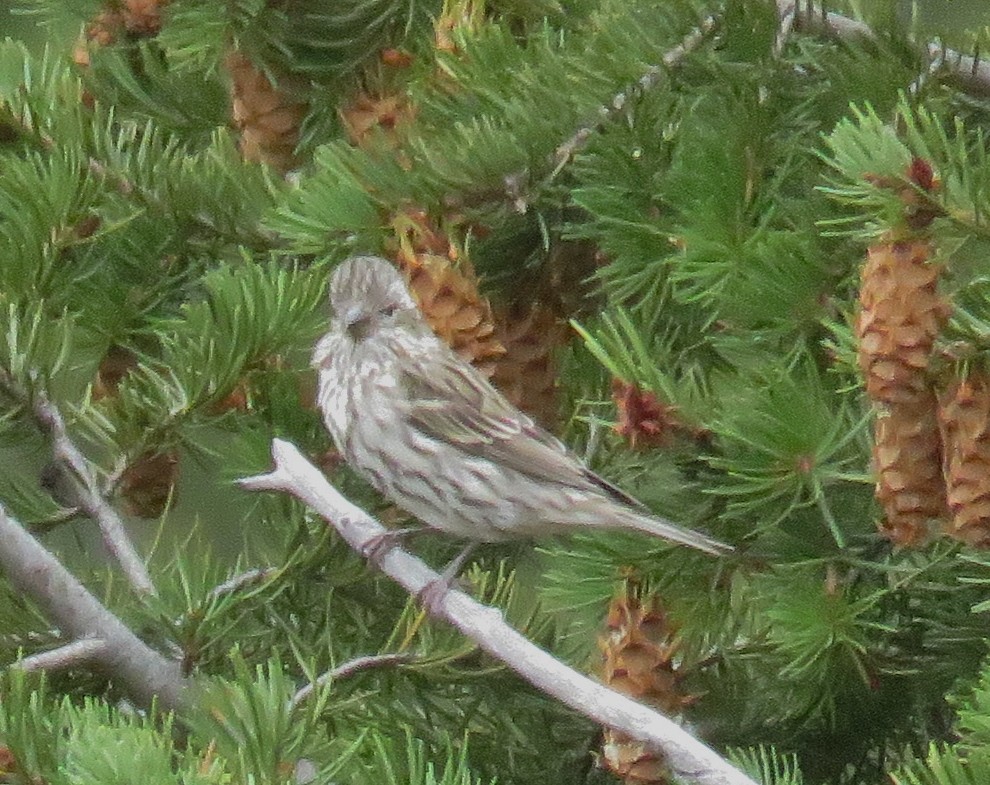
(446, 290)
(148, 484)
(527, 373)
(908, 461)
(638, 650)
(900, 316)
(268, 115)
(964, 418)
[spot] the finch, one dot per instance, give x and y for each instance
(430, 433)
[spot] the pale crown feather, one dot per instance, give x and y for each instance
(368, 298)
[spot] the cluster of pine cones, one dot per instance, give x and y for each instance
(932, 431)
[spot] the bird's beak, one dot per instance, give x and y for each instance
(357, 322)
(352, 315)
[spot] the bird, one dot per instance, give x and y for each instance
(430, 433)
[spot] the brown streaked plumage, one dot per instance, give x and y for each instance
(429, 432)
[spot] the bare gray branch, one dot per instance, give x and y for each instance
(688, 758)
(348, 668)
(31, 569)
(81, 652)
(70, 460)
(970, 73)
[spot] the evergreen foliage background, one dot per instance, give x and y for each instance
(731, 211)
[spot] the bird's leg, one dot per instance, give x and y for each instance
(376, 548)
(432, 594)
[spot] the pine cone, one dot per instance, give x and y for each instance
(534, 326)
(527, 373)
(447, 294)
(638, 650)
(267, 115)
(964, 417)
(633, 760)
(395, 58)
(148, 483)
(115, 365)
(908, 460)
(8, 762)
(454, 308)
(567, 279)
(237, 400)
(143, 18)
(102, 30)
(135, 18)
(901, 315)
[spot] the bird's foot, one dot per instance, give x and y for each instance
(374, 550)
(432, 595)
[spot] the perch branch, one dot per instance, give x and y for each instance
(35, 572)
(688, 758)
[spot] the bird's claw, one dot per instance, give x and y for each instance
(432, 595)
(374, 549)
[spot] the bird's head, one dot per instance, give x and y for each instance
(367, 294)
(369, 300)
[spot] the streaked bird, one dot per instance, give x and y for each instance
(430, 433)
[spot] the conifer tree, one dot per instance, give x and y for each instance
(735, 253)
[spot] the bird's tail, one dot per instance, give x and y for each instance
(668, 530)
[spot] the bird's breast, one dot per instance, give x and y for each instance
(352, 390)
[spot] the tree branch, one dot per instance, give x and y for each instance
(970, 73)
(349, 668)
(566, 151)
(143, 672)
(688, 758)
(80, 652)
(72, 462)
(241, 581)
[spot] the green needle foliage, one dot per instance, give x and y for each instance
(729, 192)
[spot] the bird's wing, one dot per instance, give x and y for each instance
(450, 401)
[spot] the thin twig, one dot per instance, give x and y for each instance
(349, 668)
(240, 581)
(80, 652)
(72, 462)
(688, 758)
(229, 586)
(785, 25)
(650, 78)
(35, 572)
(50, 523)
(516, 186)
(970, 73)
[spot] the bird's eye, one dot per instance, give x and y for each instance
(388, 310)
